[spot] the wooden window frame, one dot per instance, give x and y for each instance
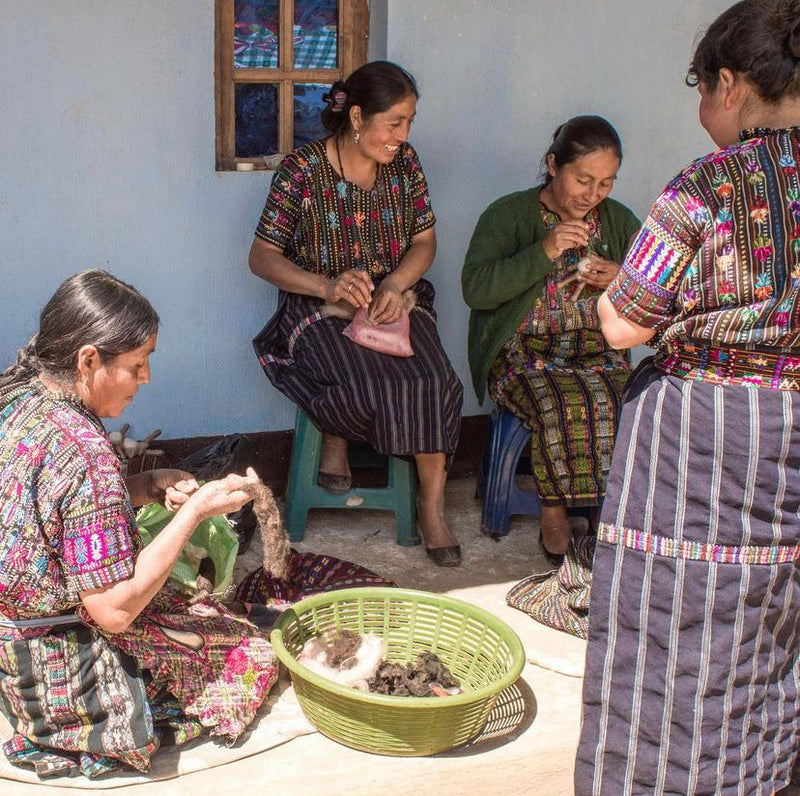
(353, 34)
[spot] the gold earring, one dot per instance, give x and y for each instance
(85, 382)
(357, 136)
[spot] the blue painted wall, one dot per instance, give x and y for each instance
(107, 160)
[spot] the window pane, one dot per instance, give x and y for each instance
(255, 33)
(315, 34)
(256, 119)
(308, 106)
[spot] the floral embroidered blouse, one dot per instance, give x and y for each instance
(717, 261)
(328, 225)
(554, 311)
(66, 521)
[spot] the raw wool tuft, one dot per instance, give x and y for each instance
(277, 548)
(344, 656)
(428, 676)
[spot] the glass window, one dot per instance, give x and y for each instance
(308, 105)
(256, 119)
(268, 89)
(255, 34)
(316, 34)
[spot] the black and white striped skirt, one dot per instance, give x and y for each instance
(691, 683)
(400, 406)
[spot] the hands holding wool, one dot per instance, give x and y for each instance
(353, 286)
(598, 272)
(384, 303)
(594, 271)
(175, 489)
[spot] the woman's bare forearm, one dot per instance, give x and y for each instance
(620, 332)
(269, 263)
(416, 261)
(116, 606)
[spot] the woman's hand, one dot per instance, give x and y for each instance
(115, 606)
(168, 487)
(171, 488)
(571, 234)
(387, 303)
(353, 286)
(600, 273)
(222, 496)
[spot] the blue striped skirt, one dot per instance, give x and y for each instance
(401, 406)
(691, 683)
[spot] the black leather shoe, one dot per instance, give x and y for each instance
(335, 484)
(445, 556)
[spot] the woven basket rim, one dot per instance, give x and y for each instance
(516, 649)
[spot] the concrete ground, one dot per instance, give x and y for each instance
(535, 757)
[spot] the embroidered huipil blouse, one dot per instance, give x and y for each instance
(716, 266)
(328, 225)
(554, 311)
(66, 522)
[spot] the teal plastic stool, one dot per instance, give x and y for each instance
(304, 493)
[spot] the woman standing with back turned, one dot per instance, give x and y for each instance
(691, 682)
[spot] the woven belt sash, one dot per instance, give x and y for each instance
(45, 621)
(773, 370)
(668, 547)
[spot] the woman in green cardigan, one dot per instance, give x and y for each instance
(536, 265)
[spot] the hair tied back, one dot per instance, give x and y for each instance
(793, 39)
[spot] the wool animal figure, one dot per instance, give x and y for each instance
(128, 447)
(345, 657)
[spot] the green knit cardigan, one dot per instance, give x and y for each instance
(506, 267)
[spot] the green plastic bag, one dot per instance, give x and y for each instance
(214, 538)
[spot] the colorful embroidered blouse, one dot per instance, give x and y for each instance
(554, 311)
(717, 261)
(328, 225)
(66, 522)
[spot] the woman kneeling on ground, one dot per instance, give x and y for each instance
(98, 658)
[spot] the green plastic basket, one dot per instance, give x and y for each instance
(481, 651)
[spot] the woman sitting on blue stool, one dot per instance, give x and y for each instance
(536, 265)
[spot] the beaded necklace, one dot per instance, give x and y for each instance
(369, 256)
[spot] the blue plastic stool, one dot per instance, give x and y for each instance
(499, 493)
(304, 493)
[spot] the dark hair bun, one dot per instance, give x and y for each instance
(793, 39)
(373, 87)
(756, 38)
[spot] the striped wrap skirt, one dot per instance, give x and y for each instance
(566, 388)
(691, 682)
(400, 405)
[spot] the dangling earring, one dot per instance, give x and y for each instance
(357, 136)
(85, 382)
